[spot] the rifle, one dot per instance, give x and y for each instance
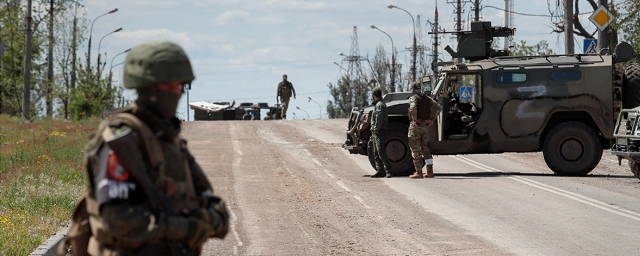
(127, 151)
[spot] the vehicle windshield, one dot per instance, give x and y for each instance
(437, 89)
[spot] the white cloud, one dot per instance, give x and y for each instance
(237, 17)
(307, 6)
(156, 34)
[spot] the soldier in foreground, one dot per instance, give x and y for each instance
(285, 88)
(422, 111)
(146, 193)
(379, 120)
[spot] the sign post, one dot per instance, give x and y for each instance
(601, 17)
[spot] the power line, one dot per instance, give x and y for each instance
(260, 63)
(266, 97)
(265, 70)
(527, 14)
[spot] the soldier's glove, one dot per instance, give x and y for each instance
(197, 234)
(216, 215)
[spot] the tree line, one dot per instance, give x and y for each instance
(62, 82)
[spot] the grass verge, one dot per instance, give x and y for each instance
(41, 179)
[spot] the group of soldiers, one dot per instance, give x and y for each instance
(423, 110)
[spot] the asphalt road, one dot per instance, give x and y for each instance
(292, 190)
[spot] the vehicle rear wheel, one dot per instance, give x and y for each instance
(572, 148)
(631, 86)
(635, 168)
(398, 150)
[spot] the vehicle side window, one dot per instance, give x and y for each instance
(570, 75)
(511, 78)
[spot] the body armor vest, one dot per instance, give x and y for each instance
(424, 107)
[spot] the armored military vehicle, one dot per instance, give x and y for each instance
(563, 105)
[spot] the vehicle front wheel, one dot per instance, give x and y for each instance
(635, 168)
(572, 148)
(397, 149)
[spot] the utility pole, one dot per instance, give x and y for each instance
(434, 63)
(74, 50)
(603, 36)
(26, 93)
(568, 27)
(50, 64)
(459, 25)
(507, 13)
(477, 10)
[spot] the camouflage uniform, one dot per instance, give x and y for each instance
(121, 217)
(379, 124)
(285, 88)
(422, 108)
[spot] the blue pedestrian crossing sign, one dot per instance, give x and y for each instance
(591, 46)
(187, 87)
(466, 92)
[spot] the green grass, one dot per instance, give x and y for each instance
(41, 179)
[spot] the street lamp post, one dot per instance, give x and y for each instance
(99, 44)
(303, 111)
(111, 68)
(90, 33)
(415, 47)
(393, 59)
(310, 100)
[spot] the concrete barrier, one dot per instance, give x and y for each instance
(50, 247)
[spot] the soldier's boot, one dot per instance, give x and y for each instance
(378, 174)
(429, 173)
(416, 175)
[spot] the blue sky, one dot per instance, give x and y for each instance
(240, 49)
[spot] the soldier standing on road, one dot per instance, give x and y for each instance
(379, 120)
(422, 111)
(136, 158)
(284, 93)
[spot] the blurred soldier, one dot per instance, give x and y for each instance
(379, 120)
(422, 111)
(146, 193)
(284, 93)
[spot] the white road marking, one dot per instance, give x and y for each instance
(361, 201)
(343, 186)
(328, 173)
(573, 196)
(316, 161)
(307, 151)
(234, 219)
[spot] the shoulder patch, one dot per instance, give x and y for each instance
(115, 168)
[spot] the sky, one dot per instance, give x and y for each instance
(239, 50)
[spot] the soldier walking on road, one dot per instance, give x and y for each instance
(422, 111)
(379, 120)
(146, 193)
(285, 88)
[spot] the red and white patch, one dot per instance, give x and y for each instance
(116, 170)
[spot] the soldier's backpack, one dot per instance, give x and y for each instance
(77, 241)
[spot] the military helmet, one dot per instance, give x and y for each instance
(284, 76)
(416, 86)
(377, 92)
(154, 63)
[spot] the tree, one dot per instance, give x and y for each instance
(628, 17)
(341, 93)
(522, 49)
(380, 68)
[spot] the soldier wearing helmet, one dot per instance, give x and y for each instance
(140, 146)
(422, 111)
(379, 123)
(285, 88)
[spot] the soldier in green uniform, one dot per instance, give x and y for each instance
(140, 146)
(285, 88)
(422, 111)
(379, 120)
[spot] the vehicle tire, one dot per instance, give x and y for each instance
(635, 168)
(370, 153)
(572, 148)
(631, 86)
(398, 151)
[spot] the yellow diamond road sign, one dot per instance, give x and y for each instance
(602, 18)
